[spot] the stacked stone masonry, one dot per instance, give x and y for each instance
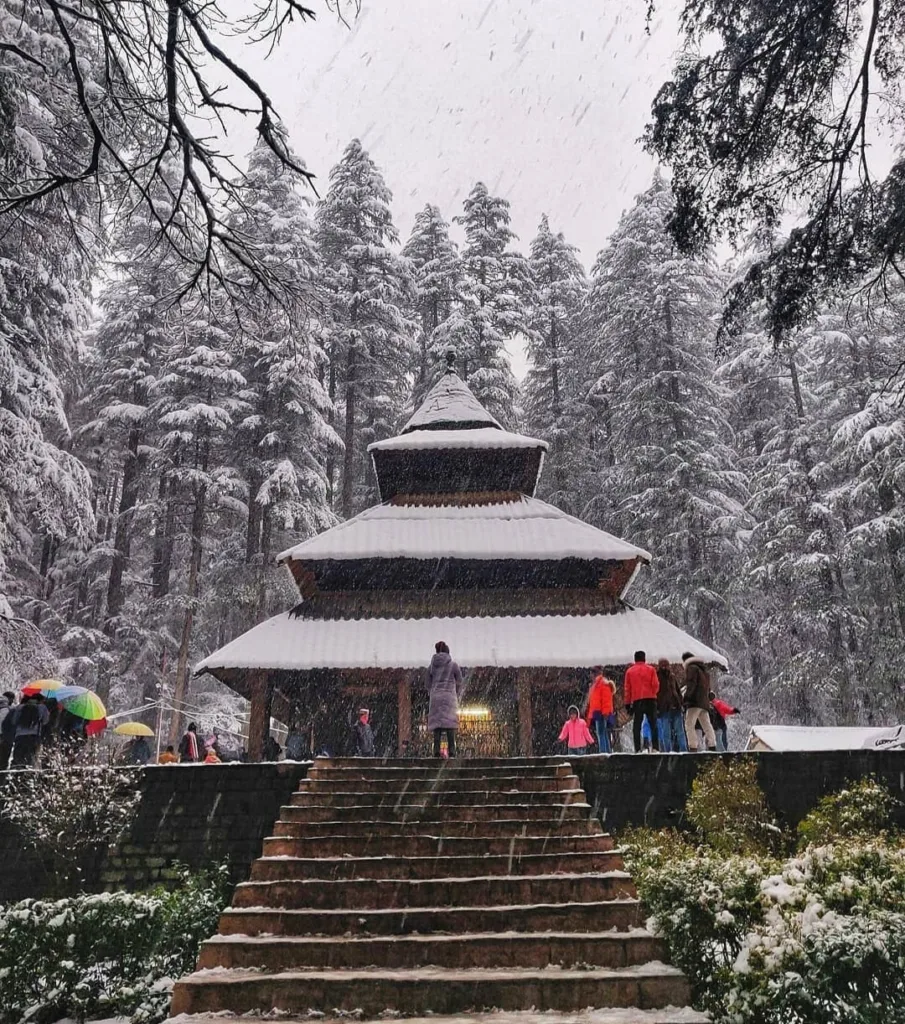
(424, 887)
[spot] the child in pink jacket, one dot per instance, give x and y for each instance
(575, 733)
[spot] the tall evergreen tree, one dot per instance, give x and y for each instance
(672, 486)
(558, 287)
(370, 340)
(435, 260)
(494, 287)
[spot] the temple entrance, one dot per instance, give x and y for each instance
(481, 733)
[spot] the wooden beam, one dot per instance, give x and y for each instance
(404, 711)
(525, 723)
(259, 718)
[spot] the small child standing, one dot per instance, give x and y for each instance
(575, 733)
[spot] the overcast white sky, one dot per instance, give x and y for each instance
(543, 100)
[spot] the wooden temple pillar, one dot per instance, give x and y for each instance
(525, 722)
(261, 690)
(404, 711)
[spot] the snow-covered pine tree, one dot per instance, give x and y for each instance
(495, 285)
(370, 339)
(47, 255)
(672, 487)
(435, 260)
(197, 405)
(553, 411)
(283, 439)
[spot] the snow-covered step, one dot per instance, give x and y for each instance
(436, 798)
(432, 990)
(270, 868)
(350, 847)
(426, 813)
(500, 950)
(665, 1015)
(395, 781)
(507, 826)
(620, 914)
(486, 891)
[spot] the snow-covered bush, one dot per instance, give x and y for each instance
(817, 938)
(862, 809)
(107, 954)
(70, 812)
(728, 808)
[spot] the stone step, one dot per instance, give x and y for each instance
(483, 891)
(619, 914)
(430, 990)
(455, 952)
(415, 812)
(430, 771)
(436, 798)
(270, 869)
(428, 846)
(395, 782)
(437, 764)
(550, 826)
(666, 1015)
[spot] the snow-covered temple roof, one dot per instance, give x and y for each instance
(450, 403)
(525, 529)
(479, 437)
(284, 643)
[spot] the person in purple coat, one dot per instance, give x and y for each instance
(444, 680)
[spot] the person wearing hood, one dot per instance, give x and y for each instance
(444, 681)
(575, 733)
(697, 702)
(600, 711)
(363, 734)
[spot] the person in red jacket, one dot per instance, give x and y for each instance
(640, 691)
(599, 711)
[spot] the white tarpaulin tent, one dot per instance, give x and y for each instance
(814, 737)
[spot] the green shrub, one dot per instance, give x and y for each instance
(728, 809)
(862, 809)
(107, 954)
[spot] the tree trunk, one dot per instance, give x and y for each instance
(164, 535)
(182, 662)
(123, 534)
(253, 529)
(349, 434)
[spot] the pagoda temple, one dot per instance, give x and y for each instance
(528, 598)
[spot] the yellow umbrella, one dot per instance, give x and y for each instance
(133, 729)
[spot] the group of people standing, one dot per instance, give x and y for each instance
(34, 723)
(672, 710)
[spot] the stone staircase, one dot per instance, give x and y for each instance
(427, 887)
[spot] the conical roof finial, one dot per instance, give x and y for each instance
(450, 360)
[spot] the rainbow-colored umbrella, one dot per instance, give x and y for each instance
(45, 686)
(83, 703)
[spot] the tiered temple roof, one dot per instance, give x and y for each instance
(460, 550)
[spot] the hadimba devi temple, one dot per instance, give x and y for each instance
(528, 598)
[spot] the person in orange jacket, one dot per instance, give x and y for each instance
(640, 689)
(599, 710)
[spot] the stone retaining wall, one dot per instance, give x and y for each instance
(649, 789)
(188, 814)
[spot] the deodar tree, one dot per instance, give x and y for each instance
(774, 108)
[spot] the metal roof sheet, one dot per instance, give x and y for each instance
(554, 641)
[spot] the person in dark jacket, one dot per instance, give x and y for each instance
(138, 751)
(640, 688)
(697, 702)
(444, 681)
(363, 734)
(670, 717)
(7, 728)
(191, 749)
